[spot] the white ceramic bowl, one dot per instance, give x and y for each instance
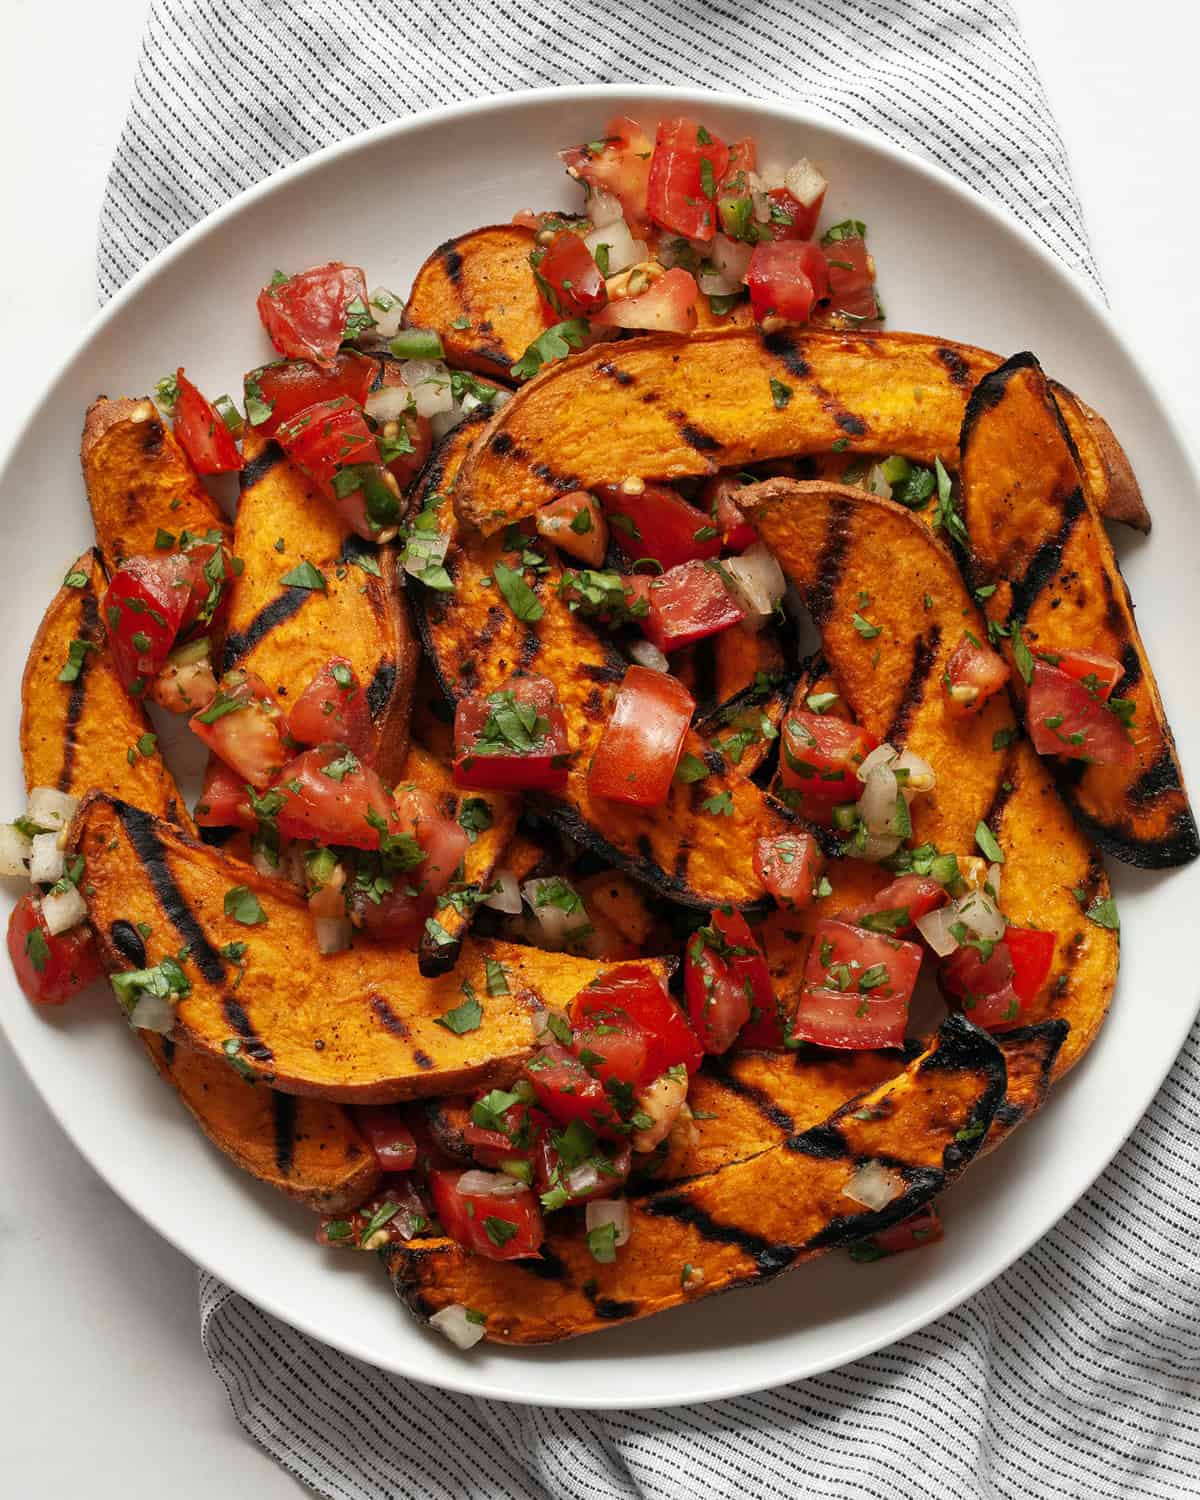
(949, 264)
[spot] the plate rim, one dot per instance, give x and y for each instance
(1068, 282)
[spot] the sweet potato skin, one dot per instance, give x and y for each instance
(836, 543)
(139, 480)
(83, 734)
(738, 1226)
(1037, 537)
(355, 1027)
(670, 407)
(476, 643)
(485, 278)
(1104, 466)
(287, 634)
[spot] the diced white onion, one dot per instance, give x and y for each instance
(50, 808)
(921, 776)
(428, 383)
(993, 879)
(583, 1178)
(63, 910)
(388, 403)
(425, 549)
(882, 756)
(387, 324)
(730, 260)
(758, 583)
(647, 654)
(333, 934)
(879, 846)
(770, 176)
(661, 1100)
(15, 850)
(153, 1013)
(452, 1323)
(508, 898)
(935, 927)
(603, 208)
(557, 925)
(877, 484)
(47, 862)
(805, 182)
(623, 250)
(874, 1185)
(490, 1184)
(980, 914)
(265, 863)
(601, 1211)
(877, 805)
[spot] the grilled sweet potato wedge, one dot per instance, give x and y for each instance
(1036, 537)
(738, 1226)
(286, 633)
(841, 547)
(697, 856)
(477, 291)
(1106, 471)
(361, 1026)
(670, 407)
(89, 732)
(139, 480)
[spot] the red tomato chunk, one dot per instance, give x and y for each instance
(567, 1091)
(667, 305)
(1064, 718)
(512, 740)
(330, 796)
(655, 521)
(787, 278)
(334, 446)
(820, 756)
(333, 708)
(569, 278)
(919, 1229)
(688, 603)
(726, 981)
(242, 725)
(309, 315)
(895, 908)
(974, 673)
(789, 866)
(638, 994)
(857, 988)
(49, 968)
(501, 1225)
(997, 987)
(688, 165)
(278, 392)
(636, 758)
(389, 1137)
(618, 163)
(202, 431)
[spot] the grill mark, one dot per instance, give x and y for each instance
(127, 940)
(704, 669)
(682, 855)
(1046, 561)
(283, 1108)
(547, 1266)
(381, 687)
(696, 437)
(502, 444)
(168, 1050)
(924, 656)
(848, 422)
(821, 595)
(1166, 850)
(715, 762)
(608, 672)
(147, 846)
(453, 262)
(493, 356)
(611, 1310)
(622, 377)
(236, 1015)
(491, 627)
(645, 848)
(924, 1182)
(152, 438)
(422, 1059)
(89, 631)
(270, 616)
(956, 365)
(769, 1257)
(824, 1141)
(774, 1113)
(564, 483)
(388, 1018)
(1131, 673)
(1004, 790)
(257, 468)
(527, 653)
(215, 837)
(783, 347)
(593, 705)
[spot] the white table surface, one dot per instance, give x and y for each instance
(104, 1388)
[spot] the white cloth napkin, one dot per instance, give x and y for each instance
(1075, 1374)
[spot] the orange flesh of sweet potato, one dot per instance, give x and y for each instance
(836, 544)
(287, 634)
(476, 643)
(362, 1026)
(668, 407)
(737, 1226)
(477, 291)
(139, 481)
(1036, 536)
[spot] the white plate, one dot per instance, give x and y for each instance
(949, 264)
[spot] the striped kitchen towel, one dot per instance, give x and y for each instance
(1073, 1375)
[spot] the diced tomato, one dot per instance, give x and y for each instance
(1099, 674)
(575, 524)
(638, 993)
(725, 979)
(333, 709)
(388, 1136)
(688, 165)
(516, 1141)
(504, 1226)
(820, 756)
(1064, 718)
(974, 673)
(202, 432)
(333, 445)
(443, 839)
(667, 305)
(144, 606)
(331, 797)
(307, 315)
(852, 296)
(791, 219)
(511, 740)
(242, 725)
(658, 522)
(748, 968)
(720, 501)
(50, 968)
(997, 988)
(897, 906)
(636, 758)
(786, 279)
(857, 988)
(735, 200)
(619, 164)
(688, 603)
(277, 392)
(788, 866)
(395, 916)
(919, 1229)
(567, 1091)
(209, 572)
(224, 801)
(570, 1180)
(568, 277)
(612, 1045)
